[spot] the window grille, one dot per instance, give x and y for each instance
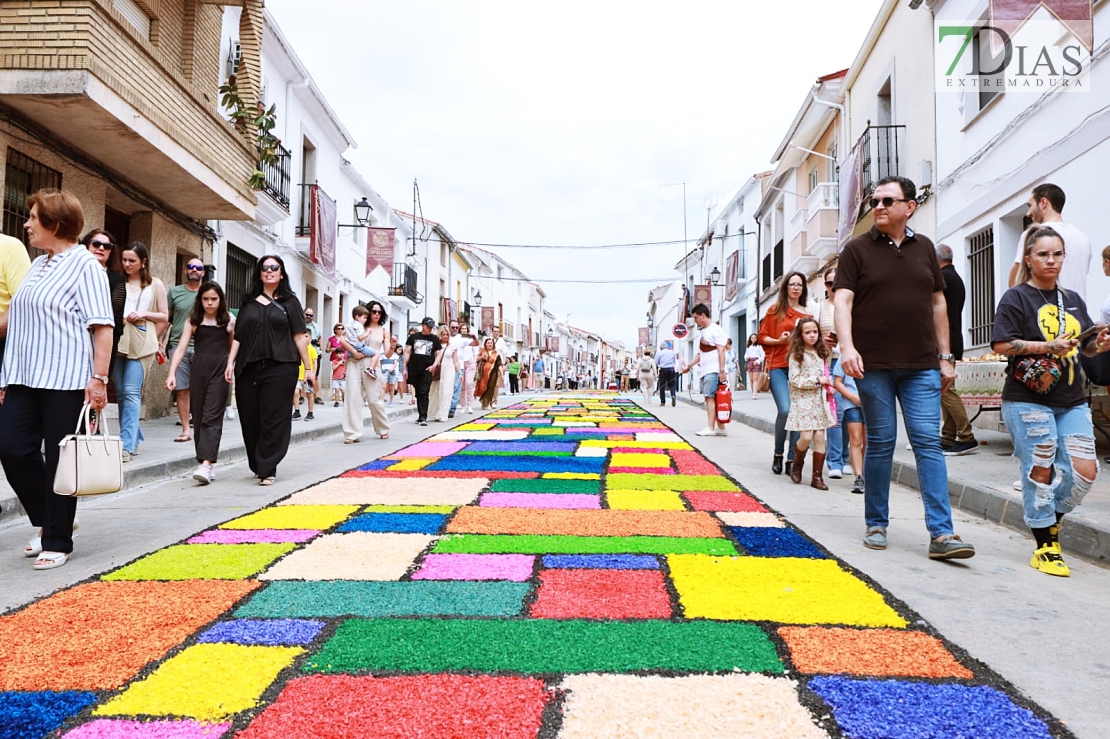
(981, 262)
(240, 264)
(23, 177)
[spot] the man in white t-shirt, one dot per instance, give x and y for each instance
(710, 359)
(1046, 203)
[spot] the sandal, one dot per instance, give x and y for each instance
(351, 441)
(34, 545)
(50, 560)
(267, 481)
(183, 437)
(384, 436)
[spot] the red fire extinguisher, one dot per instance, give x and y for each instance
(724, 404)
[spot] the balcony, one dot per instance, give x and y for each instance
(304, 212)
(81, 73)
(403, 292)
(277, 177)
(823, 207)
(880, 149)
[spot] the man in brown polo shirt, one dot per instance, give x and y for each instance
(892, 323)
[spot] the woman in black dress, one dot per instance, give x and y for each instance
(211, 329)
(271, 341)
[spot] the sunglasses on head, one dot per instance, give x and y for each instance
(886, 202)
(271, 267)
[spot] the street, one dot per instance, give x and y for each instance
(586, 594)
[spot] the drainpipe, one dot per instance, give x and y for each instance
(843, 119)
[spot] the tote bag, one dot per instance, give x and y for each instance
(88, 463)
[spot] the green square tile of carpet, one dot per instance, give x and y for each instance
(543, 646)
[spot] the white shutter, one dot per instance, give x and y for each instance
(135, 15)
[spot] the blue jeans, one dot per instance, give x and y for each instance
(918, 392)
(128, 379)
(834, 436)
(457, 390)
(1036, 431)
(780, 391)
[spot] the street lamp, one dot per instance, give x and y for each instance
(362, 215)
(715, 277)
(477, 296)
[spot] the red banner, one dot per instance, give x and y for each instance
(645, 336)
(732, 275)
(552, 343)
(321, 244)
(703, 294)
(379, 249)
(1076, 15)
(488, 320)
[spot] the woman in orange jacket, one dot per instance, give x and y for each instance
(774, 336)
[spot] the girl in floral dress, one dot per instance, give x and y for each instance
(810, 410)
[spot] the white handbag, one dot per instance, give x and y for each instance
(89, 464)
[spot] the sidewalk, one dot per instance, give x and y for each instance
(160, 457)
(980, 484)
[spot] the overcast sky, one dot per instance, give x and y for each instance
(562, 123)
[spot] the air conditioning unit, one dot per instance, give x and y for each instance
(234, 56)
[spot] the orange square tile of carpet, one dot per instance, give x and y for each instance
(97, 636)
(550, 522)
(870, 652)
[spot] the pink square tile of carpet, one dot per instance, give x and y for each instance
(514, 567)
(540, 500)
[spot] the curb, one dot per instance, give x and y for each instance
(1078, 537)
(10, 509)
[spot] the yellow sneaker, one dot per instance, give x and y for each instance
(1047, 559)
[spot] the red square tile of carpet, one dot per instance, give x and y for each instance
(871, 652)
(691, 462)
(424, 706)
(711, 500)
(97, 636)
(615, 594)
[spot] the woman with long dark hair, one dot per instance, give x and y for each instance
(271, 340)
(211, 328)
(102, 245)
(361, 384)
(774, 334)
(145, 311)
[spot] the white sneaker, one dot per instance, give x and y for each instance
(706, 432)
(848, 471)
(722, 432)
(835, 473)
(1017, 485)
(203, 475)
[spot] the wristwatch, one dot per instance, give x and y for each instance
(947, 357)
(102, 378)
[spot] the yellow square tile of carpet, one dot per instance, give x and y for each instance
(413, 463)
(645, 500)
(207, 682)
(358, 555)
(318, 517)
(635, 459)
(703, 706)
(571, 476)
(473, 427)
(753, 520)
(785, 590)
(390, 491)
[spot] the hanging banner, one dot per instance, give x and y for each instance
(487, 320)
(449, 311)
(552, 343)
(732, 276)
(321, 245)
(851, 193)
(703, 294)
(645, 336)
(379, 249)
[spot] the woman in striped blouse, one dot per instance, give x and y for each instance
(59, 344)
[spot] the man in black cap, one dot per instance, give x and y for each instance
(422, 354)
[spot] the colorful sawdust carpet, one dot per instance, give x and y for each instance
(567, 566)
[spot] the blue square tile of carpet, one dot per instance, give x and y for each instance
(395, 523)
(773, 542)
(38, 714)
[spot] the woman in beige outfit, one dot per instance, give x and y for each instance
(361, 387)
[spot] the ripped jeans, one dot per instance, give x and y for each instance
(1036, 431)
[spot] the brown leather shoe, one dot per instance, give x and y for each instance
(818, 469)
(796, 468)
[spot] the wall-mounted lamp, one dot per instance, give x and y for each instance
(362, 215)
(477, 296)
(715, 277)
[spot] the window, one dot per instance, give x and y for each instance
(813, 179)
(23, 177)
(135, 14)
(443, 253)
(778, 259)
(765, 280)
(499, 272)
(987, 65)
(832, 173)
(980, 255)
(240, 264)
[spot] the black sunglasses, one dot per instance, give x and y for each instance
(887, 201)
(101, 245)
(271, 267)
(375, 310)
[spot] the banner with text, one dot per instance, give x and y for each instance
(379, 249)
(321, 246)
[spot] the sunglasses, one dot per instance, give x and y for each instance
(271, 267)
(101, 245)
(828, 284)
(887, 201)
(195, 267)
(375, 310)
(309, 315)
